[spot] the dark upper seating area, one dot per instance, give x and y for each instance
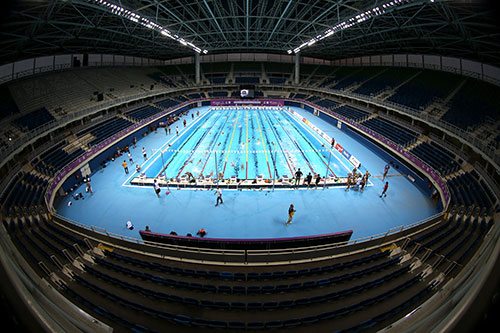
(438, 158)
(422, 90)
(247, 67)
(357, 77)
(218, 80)
(389, 79)
(162, 78)
(247, 79)
(24, 191)
(166, 104)
(470, 191)
(475, 103)
(327, 103)
(52, 161)
(33, 119)
(351, 112)
(396, 133)
(143, 113)
(217, 94)
(8, 106)
(107, 129)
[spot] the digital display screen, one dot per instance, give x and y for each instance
(246, 93)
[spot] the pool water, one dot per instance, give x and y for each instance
(247, 142)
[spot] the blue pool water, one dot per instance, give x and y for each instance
(246, 142)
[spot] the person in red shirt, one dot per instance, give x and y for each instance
(384, 192)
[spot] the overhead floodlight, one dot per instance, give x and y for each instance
(145, 22)
(350, 22)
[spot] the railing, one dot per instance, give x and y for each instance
(313, 252)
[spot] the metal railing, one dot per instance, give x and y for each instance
(313, 252)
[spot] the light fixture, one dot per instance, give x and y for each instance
(350, 22)
(145, 22)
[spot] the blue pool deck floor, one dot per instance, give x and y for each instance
(250, 213)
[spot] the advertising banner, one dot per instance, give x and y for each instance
(247, 102)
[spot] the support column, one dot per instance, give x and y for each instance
(297, 68)
(197, 67)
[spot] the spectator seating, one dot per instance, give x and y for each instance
(24, 191)
(167, 104)
(351, 112)
(357, 77)
(161, 78)
(277, 80)
(218, 80)
(422, 90)
(247, 67)
(474, 104)
(392, 131)
(33, 119)
(143, 113)
(107, 129)
(327, 103)
(8, 106)
(388, 80)
(362, 291)
(247, 79)
(217, 94)
(470, 191)
(438, 158)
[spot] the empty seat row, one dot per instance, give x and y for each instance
(247, 276)
(253, 289)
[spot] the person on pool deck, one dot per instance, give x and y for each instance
(291, 212)
(125, 167)
(298, 174)
(218, 192)
(363, 183)
(89, 187)
(318, 178)
(348, 182)
(309, 179)
(384, 192)
(333, 142)
(130, 226)
(144, 153)
(386, 170)
(157, 188)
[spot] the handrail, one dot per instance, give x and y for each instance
(213, 251)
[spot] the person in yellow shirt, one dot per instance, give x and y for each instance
(291, 211)
(125, 167)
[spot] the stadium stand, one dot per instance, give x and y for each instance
(365, 289)
(387, 80)
(423, 89)
(441, 160)
(33, 119)
(474, 95)
(392, 131)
